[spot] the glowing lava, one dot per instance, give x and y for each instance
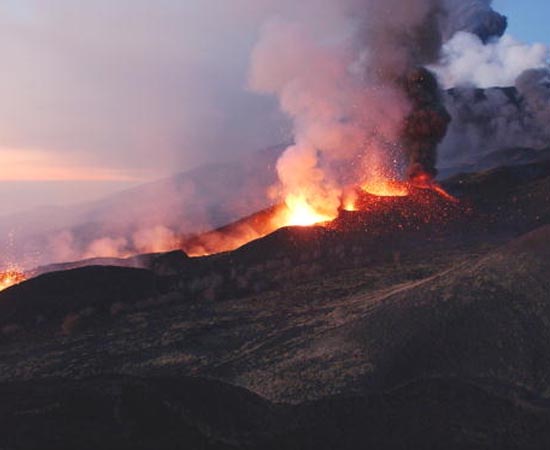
(349, 204)
(386, 188)
(301, 214)
(10, 277)
(296, 211)
(425, 181)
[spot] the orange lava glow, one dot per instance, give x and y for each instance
(10, 277)
(349, 205)
(300, 213)
(386, 188)
(297, 212)
(425, 181)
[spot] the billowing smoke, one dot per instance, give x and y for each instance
(496, 126)
(352, 77)
(498, 96)
(467, 60)
(426, 125)
(475, 17)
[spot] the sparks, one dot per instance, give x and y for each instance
(10, 277)
(386, 188)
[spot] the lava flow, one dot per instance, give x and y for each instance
(424, 181)
(10, 277)
(386, 188)
(296, 211)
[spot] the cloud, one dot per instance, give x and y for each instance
(468, 61)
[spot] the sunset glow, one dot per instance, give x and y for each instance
(38, 165)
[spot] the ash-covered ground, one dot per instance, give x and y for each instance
(411, 325)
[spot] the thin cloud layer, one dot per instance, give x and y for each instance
(132, 84)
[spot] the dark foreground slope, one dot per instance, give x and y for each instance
(131, 413)
(410, 334)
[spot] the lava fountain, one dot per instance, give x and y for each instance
(297, 212)
(10, 277)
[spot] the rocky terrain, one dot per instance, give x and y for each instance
(420, 323)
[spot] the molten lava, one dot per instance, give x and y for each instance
(386, 188)
(370, 198)
(425, 181)
(10, 277)
(300, 213)
(296, 211)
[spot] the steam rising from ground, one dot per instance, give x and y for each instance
(468, 61)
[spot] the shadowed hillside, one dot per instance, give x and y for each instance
(429, 323)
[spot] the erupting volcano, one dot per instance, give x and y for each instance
(371, 202)
(364, 127)
(333, 131)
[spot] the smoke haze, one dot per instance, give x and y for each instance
(130, 90)
(355, 88)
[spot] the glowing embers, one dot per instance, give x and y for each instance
(362, 198)
(420, 200)
(425, 181)
(386, 188)
(10, 277)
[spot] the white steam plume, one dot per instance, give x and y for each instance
(468, 61)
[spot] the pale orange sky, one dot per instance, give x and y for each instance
(119, 91)
(111, 92)
(36, 178)
(41, 165)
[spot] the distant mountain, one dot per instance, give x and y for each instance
(128, 222)
(515, 156)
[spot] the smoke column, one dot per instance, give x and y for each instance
(352, 77)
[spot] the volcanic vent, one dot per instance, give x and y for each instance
(397, 169)
(390, 206)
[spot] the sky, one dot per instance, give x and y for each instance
(97, 96)
(528, 19)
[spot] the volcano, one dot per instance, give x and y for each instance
(384, 206)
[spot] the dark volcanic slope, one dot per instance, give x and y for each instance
(487, 319)
(51, 296)
(394, 329)
(129, 413)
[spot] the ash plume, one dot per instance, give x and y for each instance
(426, 125)
(352, 76)
(466, 60)
(486, 121)
(476, 17)
(497, 96)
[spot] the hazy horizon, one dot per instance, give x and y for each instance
(90, 107)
